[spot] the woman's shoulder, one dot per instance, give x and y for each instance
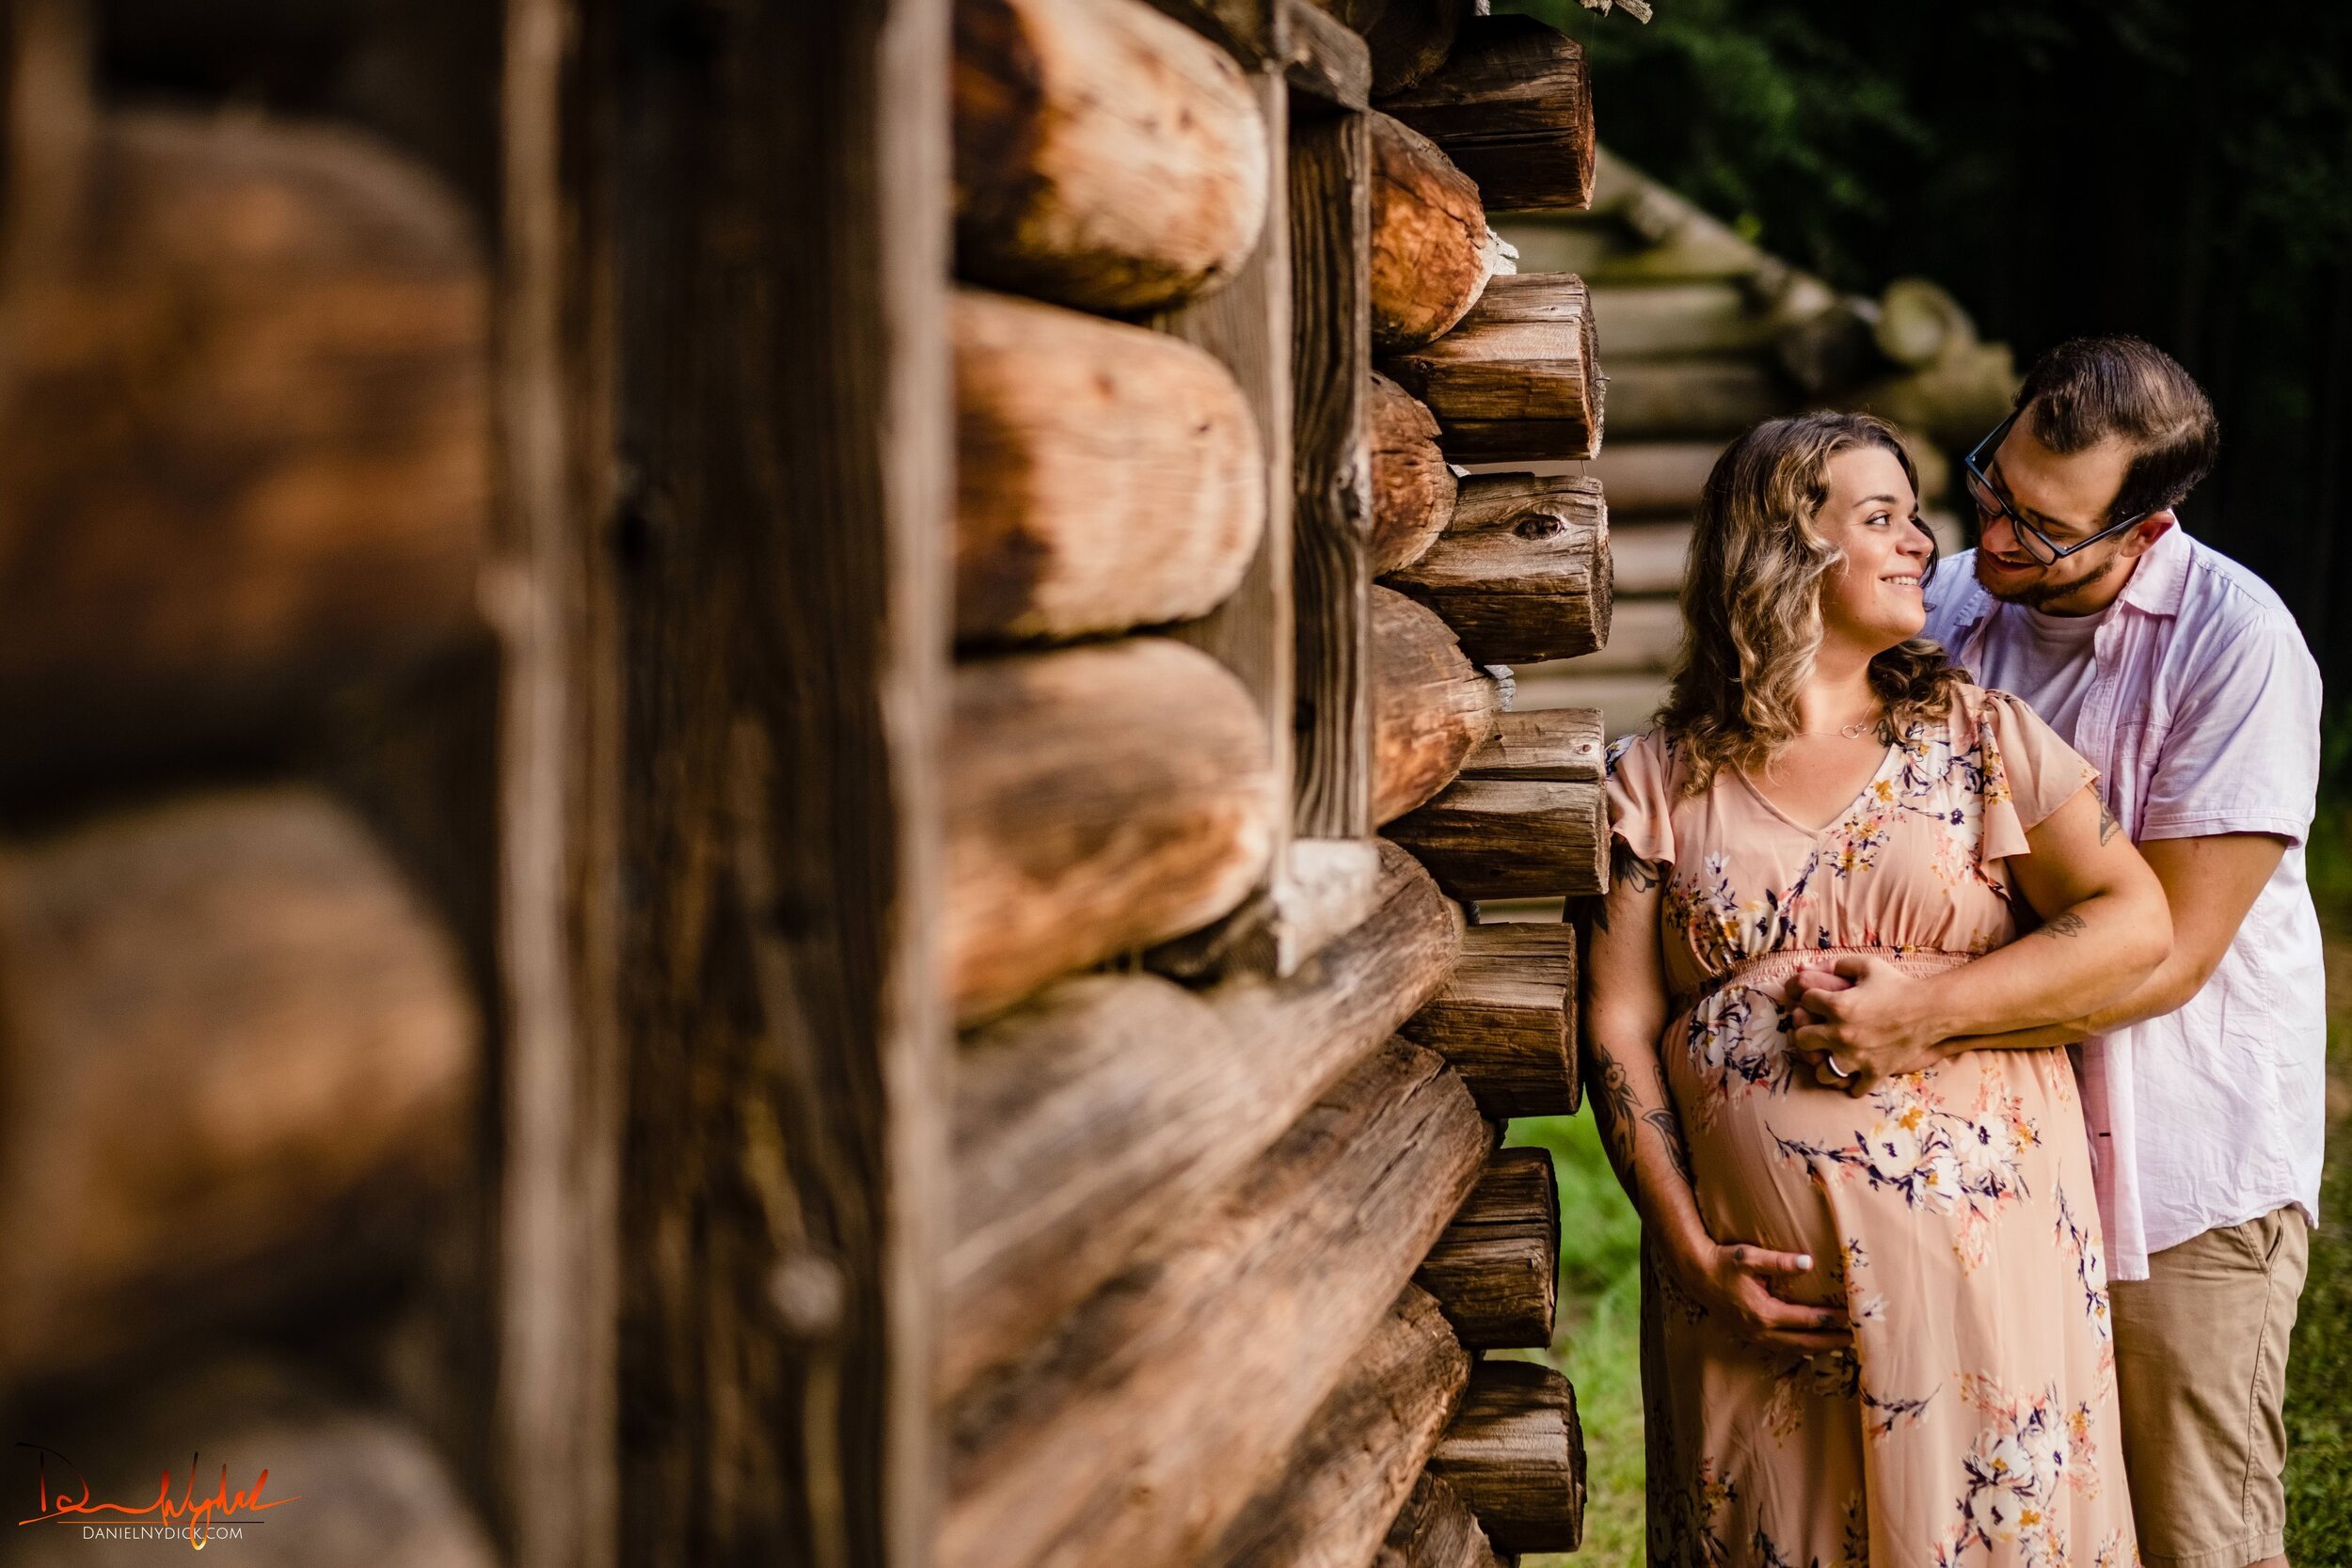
(1645, 754)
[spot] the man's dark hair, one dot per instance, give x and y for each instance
(2088, 390)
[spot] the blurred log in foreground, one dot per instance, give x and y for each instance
(1099, 800)
(244, 437)
(345, 1483)
(1105, 156)
(1107, 477)
(1409, 39)
(234, 1051)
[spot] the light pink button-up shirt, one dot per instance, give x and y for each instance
(2203, 719)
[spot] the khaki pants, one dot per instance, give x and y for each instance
(2201, 1356)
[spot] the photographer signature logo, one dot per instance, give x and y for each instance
(199, 1521)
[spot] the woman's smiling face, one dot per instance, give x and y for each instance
(1874, 599)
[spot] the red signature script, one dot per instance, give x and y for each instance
(196, 1514)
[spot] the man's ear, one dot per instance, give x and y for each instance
(2148, 530)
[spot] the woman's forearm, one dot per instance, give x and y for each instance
(1643, 1138)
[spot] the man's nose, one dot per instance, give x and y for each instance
(1995, 536)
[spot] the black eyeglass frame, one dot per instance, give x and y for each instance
(1974, 464)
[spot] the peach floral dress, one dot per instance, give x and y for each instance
(1950, 1212)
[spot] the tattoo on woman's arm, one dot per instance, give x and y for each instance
(1626, 869)
(1663, 1123)
(2109, 826)
(1612, 1113)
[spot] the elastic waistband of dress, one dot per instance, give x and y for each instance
(1780, 965)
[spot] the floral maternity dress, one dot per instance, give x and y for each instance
(1950, 1212)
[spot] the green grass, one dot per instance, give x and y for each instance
(2319, 1365)
(1598, 1342)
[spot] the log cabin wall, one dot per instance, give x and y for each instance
(863, 691)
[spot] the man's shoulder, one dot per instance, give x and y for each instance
(2219, 589)
(1952, 591)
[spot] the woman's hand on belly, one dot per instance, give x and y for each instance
(1734, 1282)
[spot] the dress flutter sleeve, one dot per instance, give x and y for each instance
(1640, 796)
(2028, 772)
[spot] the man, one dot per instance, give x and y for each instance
(2181, 677)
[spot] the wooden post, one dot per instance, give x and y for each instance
(764, 194)
(1330, 222)
(1246, 324)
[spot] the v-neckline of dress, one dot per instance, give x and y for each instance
(1869, 785)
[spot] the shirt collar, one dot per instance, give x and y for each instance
(2159, 584)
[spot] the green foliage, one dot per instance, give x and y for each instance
(2319, 1362)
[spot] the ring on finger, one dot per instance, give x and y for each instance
(1837, 1070)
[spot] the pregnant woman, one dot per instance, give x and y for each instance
(1875, 1322)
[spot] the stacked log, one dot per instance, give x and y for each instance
(1102, 798)
(1231, 1331)
(1517, 379)
(1513, 106)
(1431, 706)
(1107, 477)
(1435, 1530)
(1105, 156)
(1515, 1455)
(1409, 39)
(1495, 1271)
(1432, 252)
(237, 1054)
(1521, 572)
(1109, 1105)
(1506, 1016)
(1413, 488)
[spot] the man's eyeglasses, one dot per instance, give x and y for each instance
(1990, 503)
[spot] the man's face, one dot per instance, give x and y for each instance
(2066, 496)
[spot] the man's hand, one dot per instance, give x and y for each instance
(1859, 1020)
(1734, 1284)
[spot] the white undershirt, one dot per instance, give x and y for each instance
(2044, 658)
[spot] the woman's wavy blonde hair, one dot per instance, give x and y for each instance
(1752, 601)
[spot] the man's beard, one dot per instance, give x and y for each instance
(2034, 594)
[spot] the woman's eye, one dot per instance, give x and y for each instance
(1880, 520)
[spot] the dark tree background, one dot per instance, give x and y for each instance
(2177, 169)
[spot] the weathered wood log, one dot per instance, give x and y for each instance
(1513, 105)
(1554, 745)
(1333, 1499)
(1496, 1271)
(1431, 706)
(1107, 476)
(244, 438)
(1143, 1426)
(1325, 60)
(236, 1057)
(1435, 1530)
(1413, 486)
(327, 1480)
(1105, 156)
(1091, 1115)
(1493, 838)
(1522, 572)
(1506, 1019)
(1680, 398)
(1409, 39)
(1515, 1456)
(1102, 798)
(1517, 379)
(1432, 252)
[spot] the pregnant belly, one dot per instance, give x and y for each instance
(1782, 1162)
